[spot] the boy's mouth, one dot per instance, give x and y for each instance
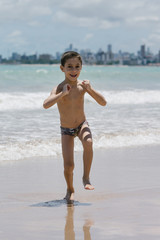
(75, 75)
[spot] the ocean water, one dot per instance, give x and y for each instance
(131, 117)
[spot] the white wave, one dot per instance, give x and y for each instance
(130, 97)
(42, 71)
(21, 150)
(22, 101)
(25, 100)
(52, 147)
(129, 139)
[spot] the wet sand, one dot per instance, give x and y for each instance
(124, 205)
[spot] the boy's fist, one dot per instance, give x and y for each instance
(66, 89)
(86, 85)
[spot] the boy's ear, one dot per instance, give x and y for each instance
(61, 67)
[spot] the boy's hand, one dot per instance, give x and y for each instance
(86, 84)
(66, 89)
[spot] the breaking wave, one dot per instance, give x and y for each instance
(52, 147)
(31, 101)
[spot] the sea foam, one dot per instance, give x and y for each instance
(52, 147)
(130, 97)
(22, 101)
(31, 101)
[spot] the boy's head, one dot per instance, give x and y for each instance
(69, 55)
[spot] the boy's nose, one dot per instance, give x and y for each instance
(74, 69)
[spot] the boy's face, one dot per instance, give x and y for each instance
(72, 69)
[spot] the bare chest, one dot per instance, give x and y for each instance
(74, 97)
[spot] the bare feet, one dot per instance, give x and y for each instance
(87, 184)
(69, 196)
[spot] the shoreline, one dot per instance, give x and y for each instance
(58, 64)
(124, 205)
(100, 151)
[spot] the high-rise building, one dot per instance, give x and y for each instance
(109, 53)
(71, 47)
(109, 48)
(142, 51)
(16, 56)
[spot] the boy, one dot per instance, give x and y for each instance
(69, 96)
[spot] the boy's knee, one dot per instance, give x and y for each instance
(87, 143)
(68, 167)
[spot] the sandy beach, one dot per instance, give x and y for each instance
(124, 205)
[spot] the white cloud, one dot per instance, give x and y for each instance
(110, 14)
(88, 36)
(40, 10)
(104, 14)
(33, 23)
(16, 39)
(52, 19)
(23, 9)
(15, 34)
(147, 18)
(104, 24)
(79, 4)
(86, 22)
(143, 21)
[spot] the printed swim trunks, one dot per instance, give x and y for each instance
(72, 131)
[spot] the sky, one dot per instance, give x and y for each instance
(49, 26)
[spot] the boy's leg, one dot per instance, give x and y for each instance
(68, 157)
(86, 138)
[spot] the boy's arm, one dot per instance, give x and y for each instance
(93, 93)
(54, 96)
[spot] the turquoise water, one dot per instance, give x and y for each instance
(131, 117)
(42, 78)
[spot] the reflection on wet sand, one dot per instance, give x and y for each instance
(69, 226)
(86, 229)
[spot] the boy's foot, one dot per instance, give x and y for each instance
(69, 196)
(87, 184)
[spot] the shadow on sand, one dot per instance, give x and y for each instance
(59, 203)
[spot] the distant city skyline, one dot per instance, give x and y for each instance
(142, 57)
(109, 48)
(48, 26)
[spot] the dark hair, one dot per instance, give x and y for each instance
(68, 55)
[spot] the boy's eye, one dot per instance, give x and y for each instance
(71, 67)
